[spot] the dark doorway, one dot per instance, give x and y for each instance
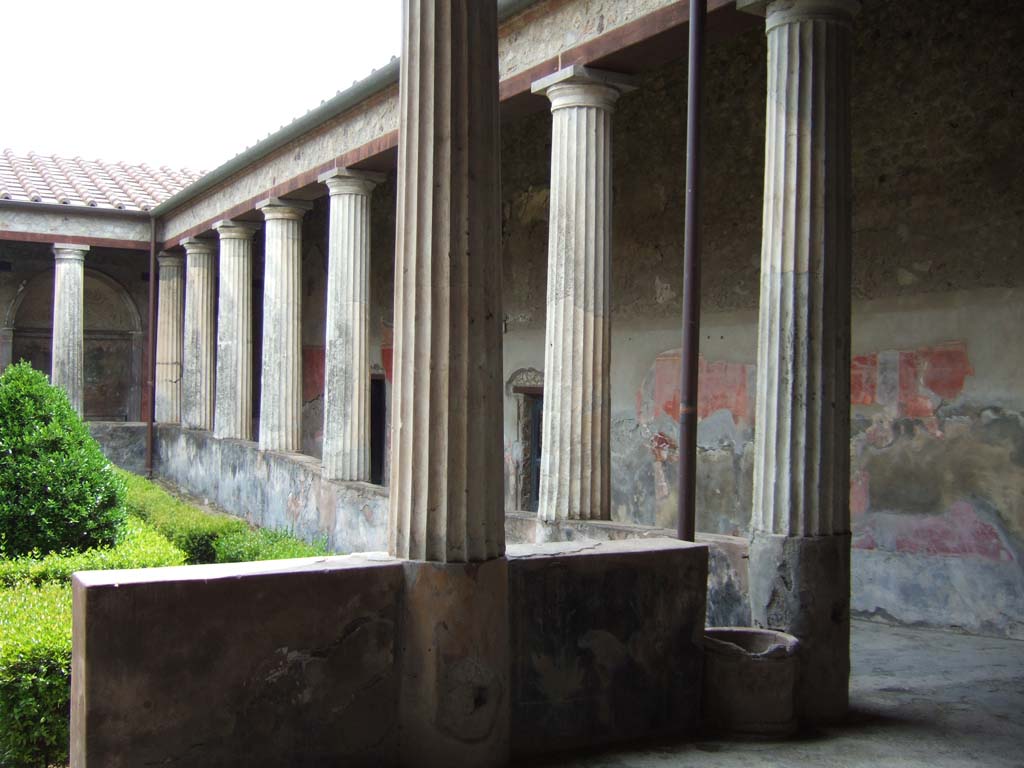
(535, 410)
(378, 426)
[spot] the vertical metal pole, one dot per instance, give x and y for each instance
(150, 376)
(691, 279)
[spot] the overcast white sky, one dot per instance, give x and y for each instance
(184, 83)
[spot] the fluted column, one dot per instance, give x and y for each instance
(346, 447)
(800, 548)
(574, 471)
(446, 489)
(233, 409)
(169, 338)
(446, 505)
(200, 350)
(69, 322)
(281, 392)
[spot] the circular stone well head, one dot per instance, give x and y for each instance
(749, 681)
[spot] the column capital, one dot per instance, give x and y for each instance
(580, 86)
(229, 229)
(165, 259)
(346, 181)
(69, 251)
(279, 208)
(787, 11)
(195, 245)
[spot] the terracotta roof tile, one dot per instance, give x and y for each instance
(88, 183)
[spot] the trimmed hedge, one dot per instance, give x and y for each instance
(35, 675)
(263, 544)
(35, 641)
(35, 607)
(57, 490)
(206, 537)
(189, 528)
(141, 547)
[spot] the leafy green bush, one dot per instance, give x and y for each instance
(244, 546)
(141, 547)
(35, 675)
(57, 490)
(190, 529)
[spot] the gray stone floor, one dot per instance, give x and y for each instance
(918, 698)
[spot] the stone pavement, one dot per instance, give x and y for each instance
(918, 698)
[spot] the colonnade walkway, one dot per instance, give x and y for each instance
(918, 698)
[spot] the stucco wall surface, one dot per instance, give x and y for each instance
(74, 224)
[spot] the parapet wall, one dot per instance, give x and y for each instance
(365, 660)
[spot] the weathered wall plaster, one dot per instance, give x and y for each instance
(274, 490)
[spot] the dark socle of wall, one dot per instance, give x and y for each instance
(123, 443)
(300, 662)
(274, 490)
(606, 642)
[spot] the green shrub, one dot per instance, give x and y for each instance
(190, 529)
(243, 546)
(57, 490)
(141, 547)
(35, 675)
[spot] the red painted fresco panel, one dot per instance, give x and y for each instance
(863, 379)
(313, 363)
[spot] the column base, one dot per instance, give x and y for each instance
(454, 704)
(801, 585)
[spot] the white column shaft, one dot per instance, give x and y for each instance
(200, 349)
(233, 409)
(801, 470)
(281, 392)
(68, 350)
(446, 484)
(169, 338)
(346, 446)
(574, 473)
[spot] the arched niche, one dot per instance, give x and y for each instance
(113, 341)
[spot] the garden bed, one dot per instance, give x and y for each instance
(35, 606)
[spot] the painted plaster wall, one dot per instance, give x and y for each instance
(938, 478)
(116, 294)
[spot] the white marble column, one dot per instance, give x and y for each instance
(233, 409)
(446, 468)
(68, 349)
(346, 447)
(281, 392)
(169, 338)
(200, 349)
(574, 472)
(800, 548)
